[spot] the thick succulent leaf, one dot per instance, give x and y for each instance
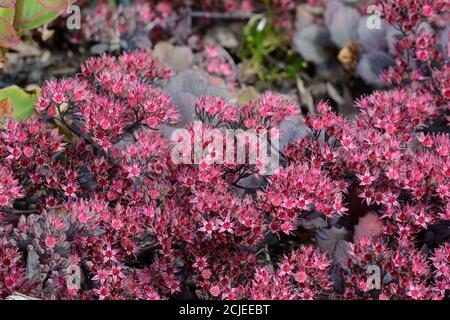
(327, 238)
(184, 89)
(8, 36)
(371, 39)
(32, 268)
(6, 108)
(292, 129)
(38, 12)
(341, 253)
(7, 13)
(23, 103)
(250, 182)
(372, 64)
(7, 3)
(425, 27)
(332, 6)
(54, 5)
(342, 22)
(177, 57)
(312, 43)
(196, 84)
(444, 42)
(393, 35)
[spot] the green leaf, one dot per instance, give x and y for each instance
(39, 12)
(33, 14)
(7, 13)
(54, 5)
(23, 103)
(8, 36)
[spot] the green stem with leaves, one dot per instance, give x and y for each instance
(20, 4)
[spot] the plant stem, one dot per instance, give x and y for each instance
(18, 14)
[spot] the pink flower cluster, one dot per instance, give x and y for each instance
(405, 272)
(26, 149)
(108, 26)
(419, 60)
(408, 14)
(267, 112)
(9, 188)
(382, 155)
(303, 274)
(297, 190)
(217, 64)
(12, 271)
(112, 97)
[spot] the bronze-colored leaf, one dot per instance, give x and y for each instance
(8, 36)
(7, 3)
(349, 55)
(6, 108)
